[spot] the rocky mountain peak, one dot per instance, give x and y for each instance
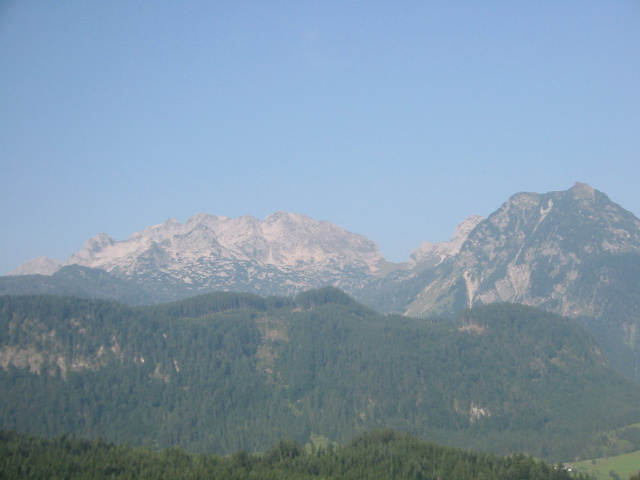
(288, 222)
(38, 266)
(583, 191)
(282, 216)
(285, 253)
(464, 228)
(92, 247)
(534, 247)
(435, 253)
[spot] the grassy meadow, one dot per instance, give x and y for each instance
(601, 468)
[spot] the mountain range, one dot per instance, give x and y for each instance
(474, 341)
(573, 252)
(284, 254)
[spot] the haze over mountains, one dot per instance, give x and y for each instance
(330, 369)
(284, 254)
(573, 252)
(289, 252)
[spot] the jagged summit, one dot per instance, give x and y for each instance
(574, 252)
(438, 252)
(532, 250)
(92, 247)
(285, 253)
(582, 190)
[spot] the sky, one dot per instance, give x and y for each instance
(393, 120)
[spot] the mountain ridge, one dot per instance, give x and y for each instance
(572, 252)
(209, 252)
(523, 233)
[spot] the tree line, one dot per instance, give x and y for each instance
(380, 454)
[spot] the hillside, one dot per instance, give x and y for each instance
(574, 252)
(226, 372)
(77, 281)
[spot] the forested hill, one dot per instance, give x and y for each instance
(225, 372)
(375, 455)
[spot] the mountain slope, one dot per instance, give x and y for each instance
(37, 266)
(435, 253)
(284, 254)
(225, 372)
(77, 281)
(573, 252)
(531, 249)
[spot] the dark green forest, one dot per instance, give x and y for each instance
(229, 372)
(383, 454)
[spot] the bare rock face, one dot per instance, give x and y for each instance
(533, 249)
(90, 249)
(573, 252)
(285, 253)
(37, 266)
(436, 253)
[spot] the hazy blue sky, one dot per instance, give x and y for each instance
(394, 120)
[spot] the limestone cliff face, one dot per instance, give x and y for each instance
(558, 250)
(534, 248)
(285, 253)
(573, 252)
(436, 253)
